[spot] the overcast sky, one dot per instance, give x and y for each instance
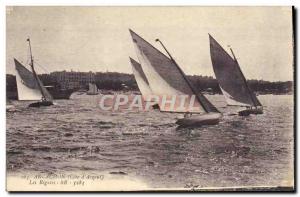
(97, 38)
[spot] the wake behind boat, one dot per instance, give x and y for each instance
(166, 78)
(29, 86)
(231, 80)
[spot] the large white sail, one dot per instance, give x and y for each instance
(28, 85)
(141, 79)
(167, 79)
(230, 77)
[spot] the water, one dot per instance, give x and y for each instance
(75, 135)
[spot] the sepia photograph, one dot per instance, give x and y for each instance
(150, 98)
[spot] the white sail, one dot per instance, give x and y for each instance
(166, 78)
(141, 79)
(27, 86)
(93, 90)
(230, 77)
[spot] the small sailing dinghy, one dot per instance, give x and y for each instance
(167, 80)
(231, 80)
(29, 86)
(93, 90)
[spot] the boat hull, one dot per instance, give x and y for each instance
(200, 120)
(41, 103)
(155, 106)
(61, 94)
(92, 93)
(247, 112)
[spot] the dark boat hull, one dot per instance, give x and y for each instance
(91, 93)
(61, 94)
(41, 103)
(155, 106)
(247, 112)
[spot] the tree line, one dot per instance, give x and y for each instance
(120, 81)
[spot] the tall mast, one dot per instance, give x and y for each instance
(232, 54)
(188, 82)
(31, 58)
(251, 93)
(157, 40)
(33, 70)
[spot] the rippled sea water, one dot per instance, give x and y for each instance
(75, 135)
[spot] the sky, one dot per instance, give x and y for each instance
(97, 38)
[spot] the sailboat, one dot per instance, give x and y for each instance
(231, 80)
(29, 86)
(93, 90)
(167, 79)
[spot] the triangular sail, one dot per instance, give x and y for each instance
(141, 79)
(230, 77)
(166, 78)
(27, 85)
(46, 94)
(92, 88)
